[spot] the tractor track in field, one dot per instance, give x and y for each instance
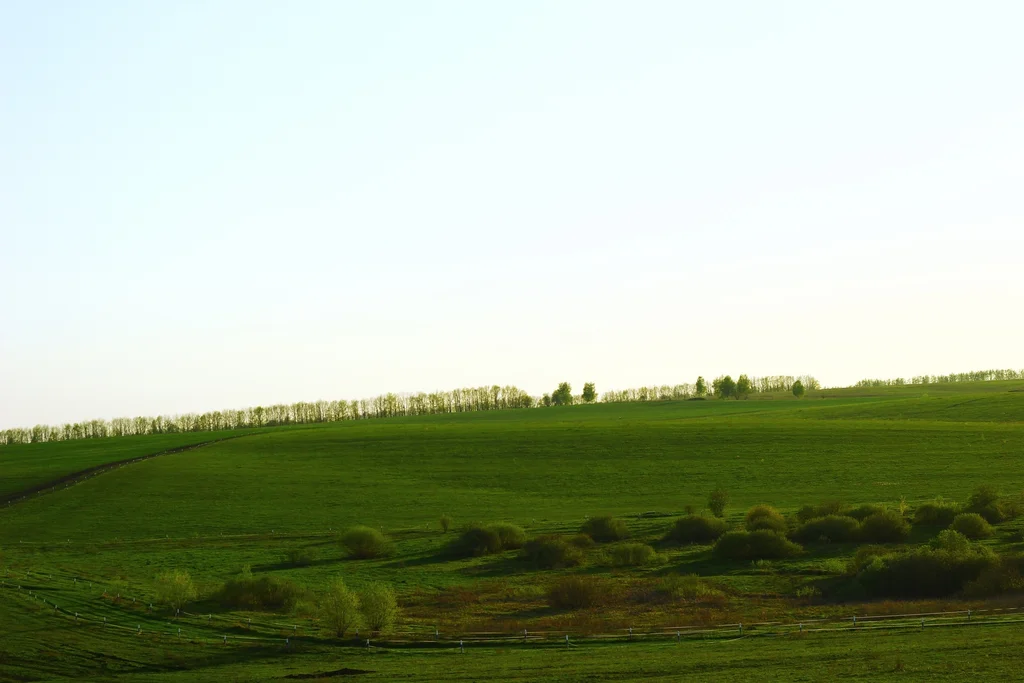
(61, 483)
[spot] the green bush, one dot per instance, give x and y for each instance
(864, 556)
(886, 526)
(1005, 576)
(829, 529)
(551, 552)
(175, 588)
(574, 592)
(511, 536)
(363, 543)
(924, 572)
(379, 606)
(605, 529)
(298, 557)
(696, 529)
(475, 541)
(764, 517)
(263, 593)
(862, 512)
(808, 512)
(582, 541)
(987, 502)
(631, 554)
(953, 541)
(717, 501)
(972, 525)
(754, 545)
(339, 608)
(937, 514)
(446, 523)
(687, 587)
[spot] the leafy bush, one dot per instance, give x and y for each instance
(298, 557)
(605, 529)
(446, 523)
(175, 588)
(717, 502)
(379, 606)
(475, 541)
(363, 543)
(972, 525)
(987, 502)
(551, 552)
(688, 587)
(1004, 576)
(696, 529)
(631, 554)
(263, 593)
(764, 517)
(339, 608)
(808, 512)
(939, 514)
(953, 541)
(754, 545)
(510, 536)
(924, 572)
(582, 541)
(886, 526)
(864, 556)
(574, 592)
(829, 529)
(862, 512)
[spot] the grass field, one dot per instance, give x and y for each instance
(258, 498)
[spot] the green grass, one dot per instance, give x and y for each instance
(251, 499)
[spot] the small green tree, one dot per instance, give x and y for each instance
(589, 393)
(743, 387)
(546, 400)
(701, 388)
(175, 588)
(379, 606)
(339, 608)
(562, 396)
(717, 501)
(724, 387)
(798, 388)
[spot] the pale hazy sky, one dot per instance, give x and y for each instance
(218, 204)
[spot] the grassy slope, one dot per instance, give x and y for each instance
(545, 469)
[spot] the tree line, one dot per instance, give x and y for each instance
(975, 376)
(721, 387)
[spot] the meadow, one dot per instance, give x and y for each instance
(273, 503)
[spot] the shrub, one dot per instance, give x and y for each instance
(339, 608)
(717, 501)
(298, 557)
(605, 529)
(886, 526)
(862, 512)
(939, 514)
(924, 572)
(809, 512)
(764, 517)
(475, 541)
(446, 523)
(582, 541)
(510, 536)
(696, 529)
(688, 587)
(263, 593)
(953, 541)
(363, 543)
(987, 502)
(379, 606)
(175, 588)
(631, 555)
(552, 552)
(864, 556)
(972, 525)
(1003, 577)
(754, 545)
(829, 529)
(574, 592)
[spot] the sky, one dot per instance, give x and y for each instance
(219, 204)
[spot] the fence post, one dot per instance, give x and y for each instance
(741, 629)
(566, 641)
(462, 647)
(678, 637)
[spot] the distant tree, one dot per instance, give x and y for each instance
(724, 387)
(589, 393)
(175, 588)
(379, 606)
(798, 388)
(701, 388)
(562, 396)
(717, 501)
(546, 400)
(743, 387)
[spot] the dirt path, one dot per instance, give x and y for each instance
(68, 480)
